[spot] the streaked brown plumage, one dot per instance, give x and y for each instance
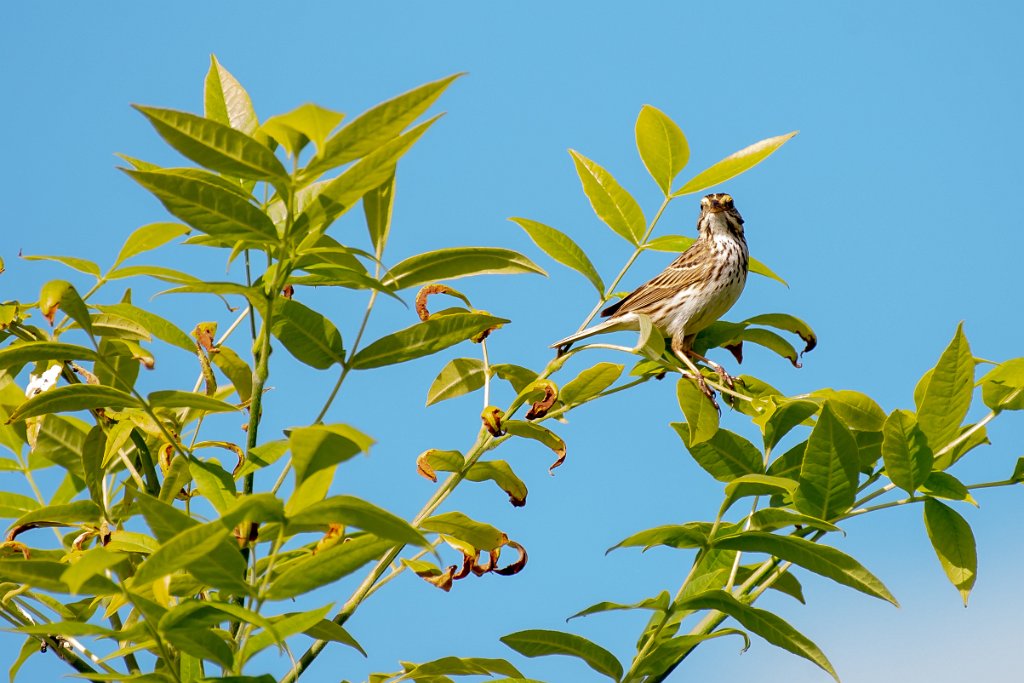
(694, 291)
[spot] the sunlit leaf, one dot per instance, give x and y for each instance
(74, 262)
(828, 475)
(820, 559)
(327, 566)
(733, 165)
(762, 622)
(540, 643)
(590, 383)
(216, 146)
(306, 123)
(376, 126)
(610, 201)
(361, 514)
(74, 397)
(480, 535)
(701, 415)
(226, 101)
(460, 376)
(149, 237)
(953, 541)
(562, 248)
(424, 338)
(31, 351)
(947, 397)
(725, 456)
(207, 207)
(905, 451)
(307, 334)
(662, 146)
(171, 398)
(319, 446)
(456, 262)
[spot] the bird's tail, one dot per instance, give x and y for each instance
(613, 325)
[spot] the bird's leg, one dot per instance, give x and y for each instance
(679, 348)
(726, 377)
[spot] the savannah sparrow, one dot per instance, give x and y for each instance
(692, 292)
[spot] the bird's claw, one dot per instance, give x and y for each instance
(706, 390)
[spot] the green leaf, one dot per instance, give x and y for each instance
(772, 342)
(765, 624)
(226, 101)
(216, 146)
(857, 411)
(160, 328)
(185, 548)
(828, 475)
(66, 514)
(202, 644)
(701, 415)
(375, 127)
(659, 603)
(71, 398)
(540, 643)
(733, 165)
(30, 351)
(662, 146)
(46, 575)
(286, 625)
(456, 262)
(460, 376)
(953, 541)
(378, 206)
(590, 383)
(28, 648)
(650, 342)
(789, 323)
(670, 243)
(93, 562)
(423, 339)
(306, 123)
(308, 335)
(359, 513)
(327, 566)
(820, 559)
(539, 433)
(759, 268)
(770, 519)
(75, 263)
(725, 456)
(516, 375)
(170, 398)
(1002, 387)
(562, 248)
(329, 199)
(610, 201)
(15, 504)
(689, 535)
(670, 652)
(908, 460)
(147, 238)
(500, 472)
(782, 416)
(756, 485)
(63, 295)
(458, 666)
(207, 207)
(480, 535)
(114, 326)
(319, 446)
(328, 630)
(947, 397)
(945, 485)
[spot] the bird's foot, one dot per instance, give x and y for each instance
(726, 378)
(705, 389)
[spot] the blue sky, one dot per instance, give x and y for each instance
(892, 215)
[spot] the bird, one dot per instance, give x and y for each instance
(694, 291)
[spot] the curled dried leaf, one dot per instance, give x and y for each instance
(22, 528)
(288, 292)
(443, 580)
(492, 417)
(423, 467)
(516, 566)
(249, 532)
(427, 290)
(16, 547)
(330, 539)
(541, 407)
(492, 561)
(86, 375)
(468, 562)
(736, 350)
(204, 334)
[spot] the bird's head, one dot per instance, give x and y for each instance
(718, 216)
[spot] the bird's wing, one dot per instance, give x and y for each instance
(691, 267)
